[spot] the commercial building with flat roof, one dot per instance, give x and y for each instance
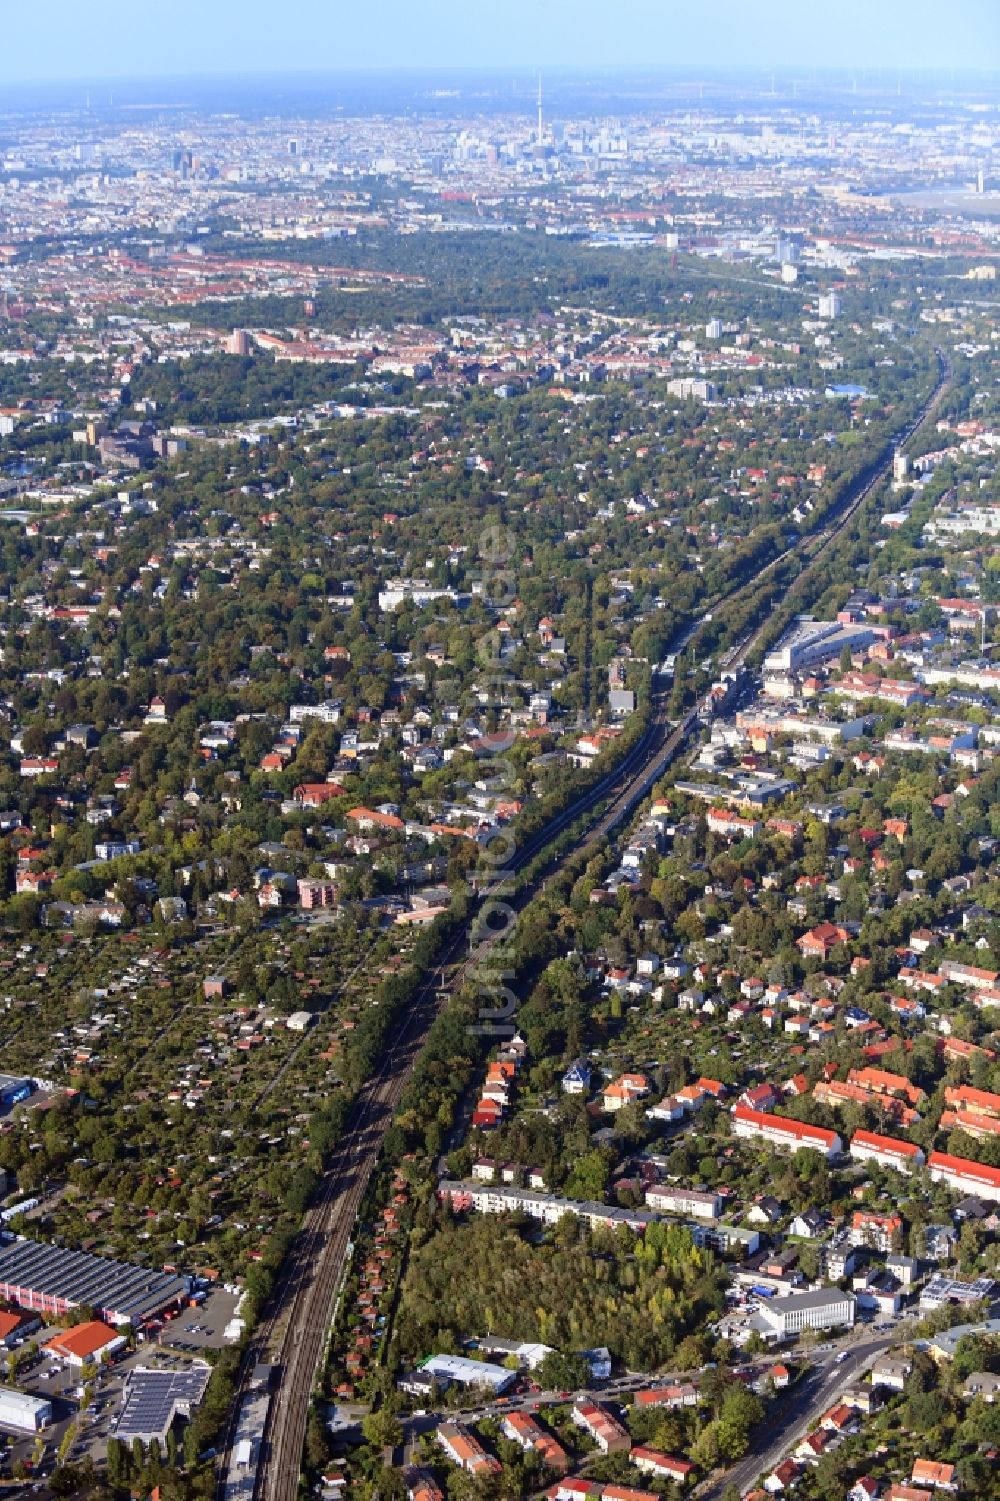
(24, 1412)
(826, 1308)
(942, 1291)
(813, 641)
(461, 1371)
(155, 1398)
(54, 1281)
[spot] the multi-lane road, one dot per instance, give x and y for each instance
(294, 1333)
(805, 1403)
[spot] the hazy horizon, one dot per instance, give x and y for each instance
(469, 93)
(109, 41)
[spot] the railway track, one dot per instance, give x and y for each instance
(294, 1332)
(301, 1342)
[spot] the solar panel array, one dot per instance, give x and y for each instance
(123, 1291)
(154, 1398)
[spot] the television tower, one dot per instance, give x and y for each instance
(541, 134)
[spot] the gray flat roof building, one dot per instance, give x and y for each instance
(24, 1411)
(824, 1308)
(942, 1289)
(465, 1372)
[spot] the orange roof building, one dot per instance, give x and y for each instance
(13, 1324)
(965, 1176)
(86, 1342)
(781, 1131)
(933, 1472)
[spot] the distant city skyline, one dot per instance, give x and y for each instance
(64, 41)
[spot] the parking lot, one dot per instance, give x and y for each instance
(54, 1377)
(201, 1328)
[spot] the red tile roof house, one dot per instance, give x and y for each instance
(575, 1488)
(276, 760)
(39, 766)
(965, 1176)
(880, 1081)
(820, 941)
(786, 826)
(968, 975)
(421, 1486)
(487, 1113)
(932, 1472)
(615, 1492)
(652, 1462)
(369, 818)
(841, 1419)
(731, 825)
(315, 794)
(608, 1434)
(684, 1394)
(973, 1101)
(625, 1089)
(783, 1477)
(812, 1448)
(881, 1231)
(784, 1133)
(888, 1151)
(841, 1091)
(464, 1449)
(955, 1047)
(762, 1097)
(525, 1430)
(971, 1122)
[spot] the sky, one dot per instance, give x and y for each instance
(98, 39)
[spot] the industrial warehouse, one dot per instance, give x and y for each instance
(53, 1281)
